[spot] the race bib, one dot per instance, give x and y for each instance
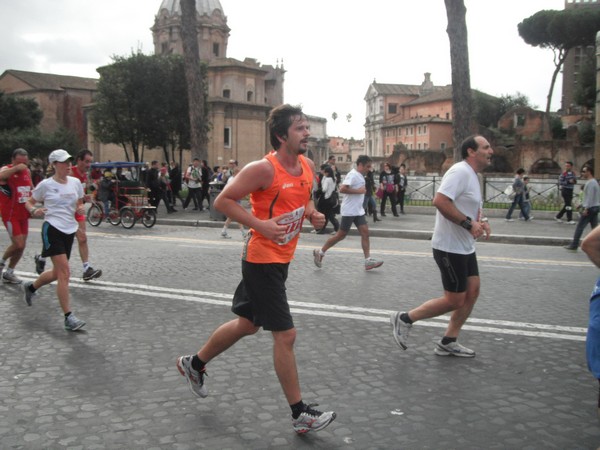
(23, 193)
(293, 220)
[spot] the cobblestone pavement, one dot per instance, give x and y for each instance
(165, 289)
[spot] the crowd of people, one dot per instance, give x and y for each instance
(285, 190)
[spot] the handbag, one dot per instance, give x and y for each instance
(379, 193)
(334, 199)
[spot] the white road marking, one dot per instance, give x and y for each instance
(337, 311)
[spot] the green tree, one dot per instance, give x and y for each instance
(461, 77)
(508, 102)
(560, 31)
(18, 113)
(19, 127)
(131, 106)
(173, 115)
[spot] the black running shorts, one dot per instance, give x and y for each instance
(260, 297)
(55, 242)
(455, 269)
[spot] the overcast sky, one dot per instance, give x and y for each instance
(332, 49)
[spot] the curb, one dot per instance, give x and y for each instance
(386, 233)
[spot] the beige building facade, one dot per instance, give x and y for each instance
(414, 117)
(240, 93)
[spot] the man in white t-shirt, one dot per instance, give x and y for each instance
(353, 188)
(458, 223)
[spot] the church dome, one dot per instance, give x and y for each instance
(202, 6)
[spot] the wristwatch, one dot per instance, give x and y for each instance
(467, 224)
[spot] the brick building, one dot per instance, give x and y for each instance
(60, 97)
(416, 117)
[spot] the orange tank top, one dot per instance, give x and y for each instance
(287, 194)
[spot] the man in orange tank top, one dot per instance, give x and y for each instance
(280, 187)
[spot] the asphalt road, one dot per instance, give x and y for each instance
(165, 289)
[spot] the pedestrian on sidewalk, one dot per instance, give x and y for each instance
(280, 187)
(566, 183)
(458, 223)
(353, 188)
(329, 200)
(369, 203)
(526, 200)
(589, 207)
(62, 197)
(388, 186)
(519, 190)
(224, 233)
(402, 185)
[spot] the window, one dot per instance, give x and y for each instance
(419, 146)
(227, 93)
(520, 120)
(392, 108)
(227, 137)
(425, 146)
(443, 145)
(448, 116)
(387, 149)
(249, 96)
(424, 129)
(419, 129)
(215, 48)
(164, 47)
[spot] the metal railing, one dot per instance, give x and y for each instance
(544, 193)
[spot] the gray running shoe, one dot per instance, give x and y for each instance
(372, 263)
(27, 294)
(225, 235)
(72, 323)
(40, 264)
(11, 278)
(194, 378)
(453, 349)
(312, 420)
(400, 330)
(317, 257)
(91, 273)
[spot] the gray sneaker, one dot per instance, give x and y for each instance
(400, 330)
(11, 278)
(72, 323)
(194, 378)
(312, 420)
(40, 264)
(317, 257)
(91, 274)
(27, 294)
(372, 263)
(453, 349)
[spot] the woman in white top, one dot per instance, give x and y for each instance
(329, 200)
(62, 197)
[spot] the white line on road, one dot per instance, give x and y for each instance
(339, 311)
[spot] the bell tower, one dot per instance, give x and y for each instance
(213, 32)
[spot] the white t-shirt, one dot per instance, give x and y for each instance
(352, 204)
(60, 200)
(461, 185)
(194, 176)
